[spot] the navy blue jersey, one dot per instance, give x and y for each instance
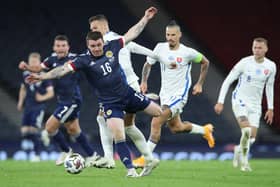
(67, 88)
(104, 73)
(30, 102)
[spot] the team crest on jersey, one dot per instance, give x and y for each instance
(258, 71)
(109, 112)
(109, 54)
(179, 59)
(170, 58)
(92, 63)
(266, 71)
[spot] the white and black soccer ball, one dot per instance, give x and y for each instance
(74, 163)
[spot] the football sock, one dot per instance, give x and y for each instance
(82, 140)
(196, 129)
(124, 154)
(139, 140)
(60, 140)
(34, 137)
(106, 137)
(245, 143)
(152, 145)
(252, 141)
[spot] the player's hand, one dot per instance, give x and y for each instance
(269, 116)
(22, 65)
(33, 78)
(150, 12)
(197, 89)
(219, 107)
(144, 87)
(19, 106)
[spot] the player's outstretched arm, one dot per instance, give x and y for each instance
(232, 76)
(141, 50)
(135, 30)
(55, 73)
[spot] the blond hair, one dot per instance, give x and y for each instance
(34, 55)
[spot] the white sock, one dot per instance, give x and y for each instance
(252, 141)
(245, 144)
(139, 140)
(106, 137)
(197, 129)
(151, 145)
(238, 149)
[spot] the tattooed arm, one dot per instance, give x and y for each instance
(134, 31)
(145, 75)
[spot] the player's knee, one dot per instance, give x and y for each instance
(158, 111)
(154, 109)
(50, 129)
(243, 121)
(73, 130)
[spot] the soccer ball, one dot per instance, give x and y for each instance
(74, 163)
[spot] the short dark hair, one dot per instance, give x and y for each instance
(62, 38)
(261, 39)
(173, 23)
(94, 35)
(98, 17)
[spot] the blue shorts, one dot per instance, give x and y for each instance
(67, 112)
(33, 118)
(131, 103)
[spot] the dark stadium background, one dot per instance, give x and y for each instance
(222, 30)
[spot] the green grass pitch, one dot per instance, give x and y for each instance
(266, 173)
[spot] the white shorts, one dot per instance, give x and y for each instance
(175, 104)
(135, 86)
(253, 113)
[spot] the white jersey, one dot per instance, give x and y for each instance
(124, 57)
(252, 77)
(175, 82)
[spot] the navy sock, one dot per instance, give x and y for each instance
(37, 143)
(124, 154)
(61, 141)
(82, 140)
(35, 140)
